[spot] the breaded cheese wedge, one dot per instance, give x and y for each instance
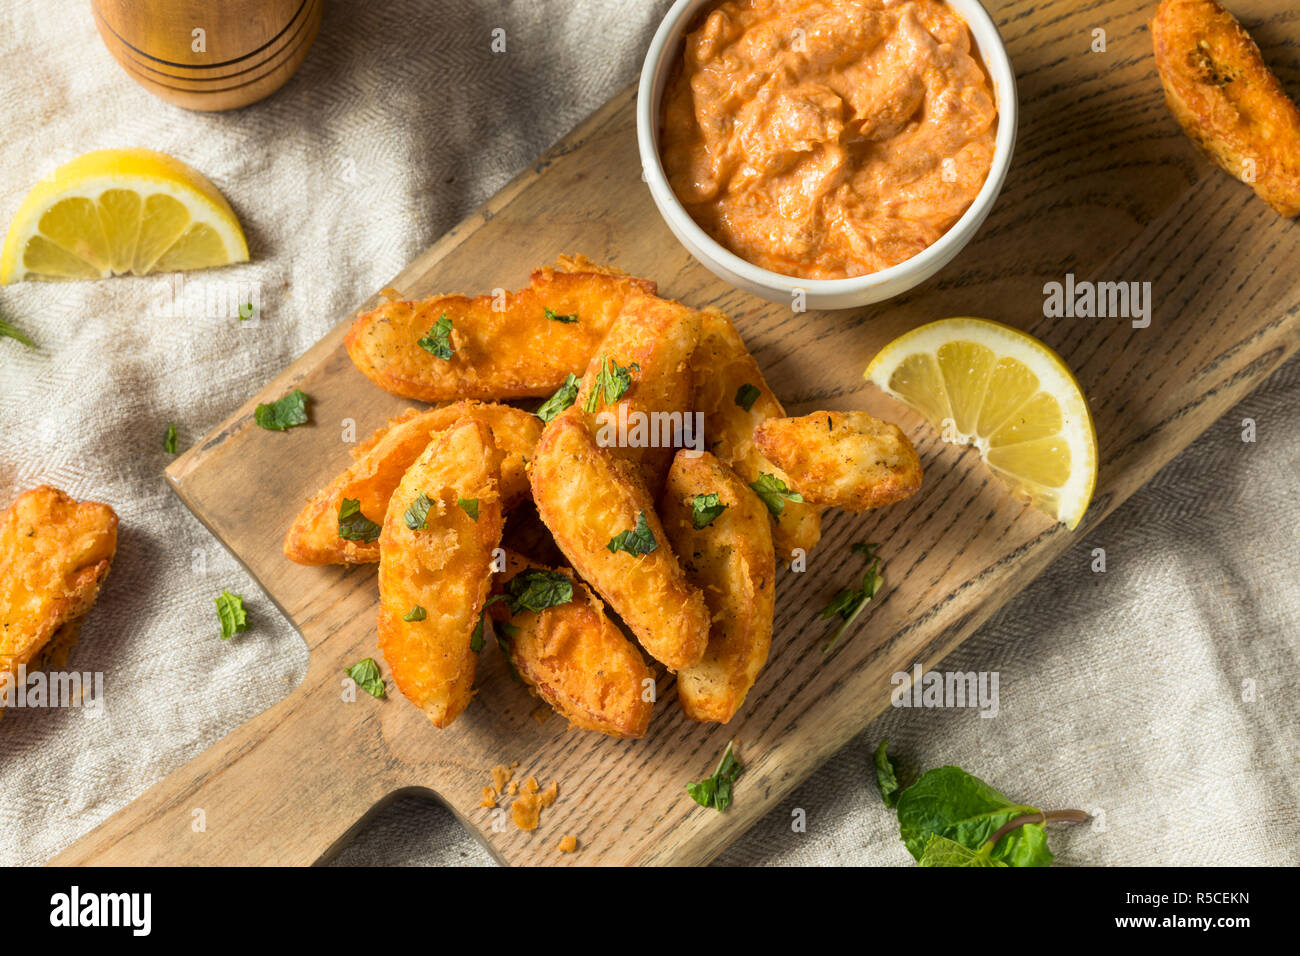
(638, 384)
(846, 459)
(727, 555)
(379, 464)
(1227, 100)
(571, 654)
(734, 397)
(504, 345)
(54, 556)
(435, 567)
(589, 499)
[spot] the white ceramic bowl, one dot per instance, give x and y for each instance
(664, 51)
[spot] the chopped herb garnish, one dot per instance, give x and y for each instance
(612, 380)
(747, 395)
(416, 613)
(437, 341)
(640, 540)
(774, 492)
(469, 506)
(417, 515)
(564, 396)
(353, 525)
(476, 636)
(8, 331)
(535, 590)
(246, 311)
(504, 633)
(704, 509)
(169, 440)
(230, 610)
(886, 775)
(566, 319)
(715, 791)
(848, 604)
(283, 414)
(366, 676)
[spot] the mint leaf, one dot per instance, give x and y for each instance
(556, 317)
(353, 525)
(886, 775)
(953, 804)
(283, 414)
(849, 602)
(417, 515)
(416, 613)
(774, 492)
(169, 440)
(612, 380)
(535, 590)
(230, 611)
(366, 676)
(640, 540)
(437, 341)
(469, 506)
(940, 851)
(747, 395)
(564, 396)
(246, 311)
(705, 509)
(8, 331)
(715, 791)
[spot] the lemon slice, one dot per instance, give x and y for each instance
(986, 384)
(115, 211)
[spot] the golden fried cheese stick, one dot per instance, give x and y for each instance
(727, 554)
(435, 567)
(602, 517)
(379, 464)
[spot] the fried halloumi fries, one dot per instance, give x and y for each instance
(571, 653)
(602, 517)
(494, 346)
(846, 459)
(435, 567)
(54, 556)
(638, 384)
(1227, 100)
(728, 555)
(379, 464)
(734, 397)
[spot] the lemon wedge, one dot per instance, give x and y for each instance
(986, 384)
(115, 211)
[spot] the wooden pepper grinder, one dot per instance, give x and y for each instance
(209, 56)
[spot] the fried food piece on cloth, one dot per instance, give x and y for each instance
(589, 499)
(506, 345)
(54, 556)
(435, 567)
(846, 459)
(734, 397)
(651, 343)
(730, 559)
(1227, 99)
(570, 653)
(379, 464)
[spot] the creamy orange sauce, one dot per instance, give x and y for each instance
(828, 139)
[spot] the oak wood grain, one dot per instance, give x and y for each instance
(1103, 186)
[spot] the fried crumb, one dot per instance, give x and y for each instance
(568, 844)
(514, 787)
(531, 785)
(527, 809)
(489, 798)
(501, 774)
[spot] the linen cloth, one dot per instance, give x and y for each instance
(1121, 693)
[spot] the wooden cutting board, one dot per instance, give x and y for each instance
(1104, 186)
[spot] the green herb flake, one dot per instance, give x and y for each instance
(437, 341)
(715, 791)
(169, 440)
(365, 674)
(774, 492)
(886, 775)
(611, 383)
(849, 602)
(246, 311)
(416, 613)
(476, 636)
(705, 509)
(747, 395)
(469, 506)
(353, 525)
(535, 590)
(940, 851)
(283, 414)
(231, 613)
(417, 515)
(640, 540)
(566, 319)
(564, 396)
(8, 331)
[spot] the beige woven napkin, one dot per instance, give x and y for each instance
(1119, 692)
